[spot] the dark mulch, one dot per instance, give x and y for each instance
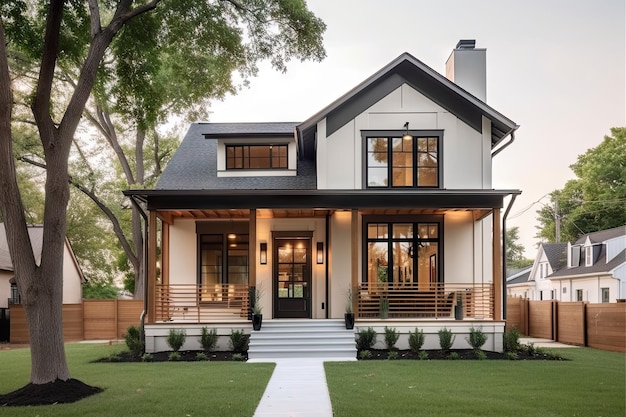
(57, 392)
(463, 354)
(185, 356)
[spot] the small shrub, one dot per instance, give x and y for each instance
(147, 357)
(477, 338)
(391, 337)
(446, 339)
(239, 341)
(173, 356)
(134, 341)
(176, 339)
(512, 356)
(208, 339)
(422, 355)
(511, 340)
(392, 355)
(480, 354)
(454, 356)
(201, 356)
(530, 348)
(238, 357)
(416, 340)
(365, 354)
(366, 339)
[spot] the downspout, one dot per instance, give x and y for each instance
(506, 213)
(501, 148)
(326, 249)
(142, 317)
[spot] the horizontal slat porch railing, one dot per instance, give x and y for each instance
(414, 300)
(201, 303)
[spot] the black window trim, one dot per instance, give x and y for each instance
(257, 145)
(365, 134)
(404, 218)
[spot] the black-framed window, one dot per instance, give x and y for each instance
(393, 161)
(605, 294)
(403, 252)
(256, 157)
(223, 259)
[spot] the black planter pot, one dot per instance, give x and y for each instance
(349, 319)
(458, 312)
(257, 319)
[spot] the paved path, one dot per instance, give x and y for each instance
(543, 343)
(297, 388)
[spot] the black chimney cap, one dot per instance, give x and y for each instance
(466, 44)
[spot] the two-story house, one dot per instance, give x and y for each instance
(382, 200)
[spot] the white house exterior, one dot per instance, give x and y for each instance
(386, 192)
(595, 270)
(72, 274)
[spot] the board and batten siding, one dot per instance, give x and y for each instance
(466, 152)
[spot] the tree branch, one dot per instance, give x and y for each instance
(96, 24)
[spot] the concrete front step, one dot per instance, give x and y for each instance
(302, 339)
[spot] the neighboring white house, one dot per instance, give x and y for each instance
(386, 192)
(72, 274)
(595, 270)
(592, 269)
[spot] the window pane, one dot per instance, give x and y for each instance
(377, 145)
(377, 177)
(377, 262)
(377, 231)
(402, 262)
(403, 231)
(376, 159)
(427, 177)
(433, 231)
(402, 177)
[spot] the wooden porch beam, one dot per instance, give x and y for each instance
(354, 230)
(497, 265)
(254, 247)
(151, 262)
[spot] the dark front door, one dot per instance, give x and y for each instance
(292, 277)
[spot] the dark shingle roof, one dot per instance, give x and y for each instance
(602, 235)
(520, 277)
(599, 267)
(194, 165)
(556, 254)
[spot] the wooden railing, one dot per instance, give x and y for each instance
(413, 300)
(200, 303)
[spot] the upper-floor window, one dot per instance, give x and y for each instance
(256, 157)
(403, 162)
(589, 256)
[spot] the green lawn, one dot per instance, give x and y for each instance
(591, 384)
(144, 389)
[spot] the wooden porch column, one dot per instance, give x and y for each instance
(354, 230)
(252, 248)
(497, 266)
(151, 263)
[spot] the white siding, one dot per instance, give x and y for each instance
(466, 152)
(340, 261)
(183, 252)
(72, 285)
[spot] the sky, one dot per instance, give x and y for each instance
(555, 67)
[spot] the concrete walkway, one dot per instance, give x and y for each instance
(297, 388)
(543, 343)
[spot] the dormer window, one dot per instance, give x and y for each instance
(589, 256)
(256, 157)
(394, 161)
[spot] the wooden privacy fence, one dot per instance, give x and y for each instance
(601, 326)
(91, 320)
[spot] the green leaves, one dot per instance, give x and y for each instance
(596, 199)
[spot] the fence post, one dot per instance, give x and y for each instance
(555, 320)
(585, 324)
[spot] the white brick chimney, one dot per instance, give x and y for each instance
(467, 67)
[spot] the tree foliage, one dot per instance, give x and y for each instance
(514, 250)
(595, 199)
(72, 41)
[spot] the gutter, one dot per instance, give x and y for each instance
(506, 214)
(142, 317)
(501, 148)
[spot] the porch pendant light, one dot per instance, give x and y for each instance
(407, 135)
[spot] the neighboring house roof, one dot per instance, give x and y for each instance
(602, 235)
(194, 165)
(556, 254)
(599, 267)
(519, 276)
(406, 69)
(36, 240)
